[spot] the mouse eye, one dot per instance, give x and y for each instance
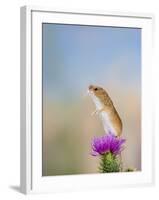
(95, 89)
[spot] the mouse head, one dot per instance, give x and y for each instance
(96, 90)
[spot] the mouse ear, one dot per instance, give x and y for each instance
(91, 87)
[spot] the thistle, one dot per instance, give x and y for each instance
(109, 148)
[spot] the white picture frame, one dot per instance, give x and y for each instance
(31, 114)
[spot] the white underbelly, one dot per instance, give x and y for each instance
(108, 126)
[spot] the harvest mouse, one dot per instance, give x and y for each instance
(105, 108)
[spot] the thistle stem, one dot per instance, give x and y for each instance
(109, 163)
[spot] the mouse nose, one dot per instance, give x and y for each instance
(91, 87)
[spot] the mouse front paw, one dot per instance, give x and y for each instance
(94, 113)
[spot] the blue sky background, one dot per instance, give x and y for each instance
(75, 56)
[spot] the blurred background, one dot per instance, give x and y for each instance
(75, 56)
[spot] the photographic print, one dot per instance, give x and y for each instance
(86, 100)
(91, 99)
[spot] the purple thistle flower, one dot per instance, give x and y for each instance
(107, 143)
